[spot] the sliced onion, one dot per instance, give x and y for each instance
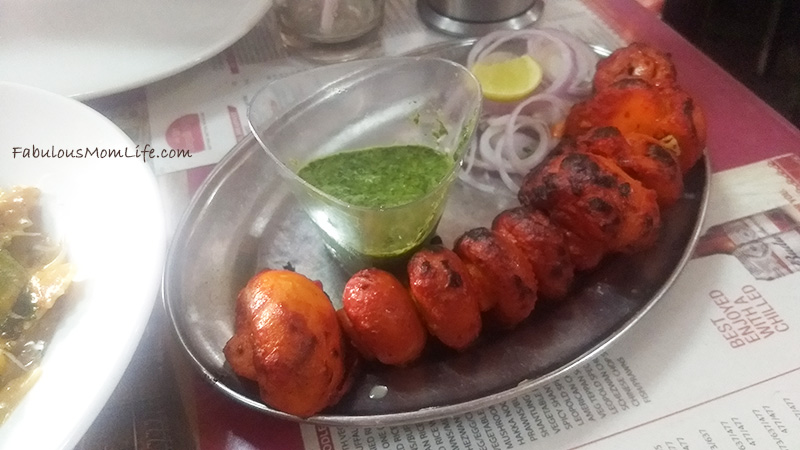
(513, 138)
(585, 60)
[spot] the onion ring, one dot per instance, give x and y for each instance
(514, 138)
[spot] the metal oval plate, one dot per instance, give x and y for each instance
(244, 219)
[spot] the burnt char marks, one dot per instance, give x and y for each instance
(600, 206)
(544, 245)
(454, 280)
(446, 301)
(591, 196)
(605, 132)
(504, 270)
(660, 154)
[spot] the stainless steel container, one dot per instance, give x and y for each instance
(480, 10)
(477, 17)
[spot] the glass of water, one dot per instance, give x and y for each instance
(330, 30)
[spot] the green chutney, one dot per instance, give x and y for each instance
(380, 177)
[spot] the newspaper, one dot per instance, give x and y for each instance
(714, 365)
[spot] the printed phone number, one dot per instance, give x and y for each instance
(143, 153)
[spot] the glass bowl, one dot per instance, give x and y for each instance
(382, 102)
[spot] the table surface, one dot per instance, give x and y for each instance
(146, 412)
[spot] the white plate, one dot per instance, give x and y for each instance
(108, 213)
(89, 48)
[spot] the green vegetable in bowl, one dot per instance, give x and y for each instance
(34, 274)
(13, 278)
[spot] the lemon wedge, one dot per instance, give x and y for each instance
(508, 80)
